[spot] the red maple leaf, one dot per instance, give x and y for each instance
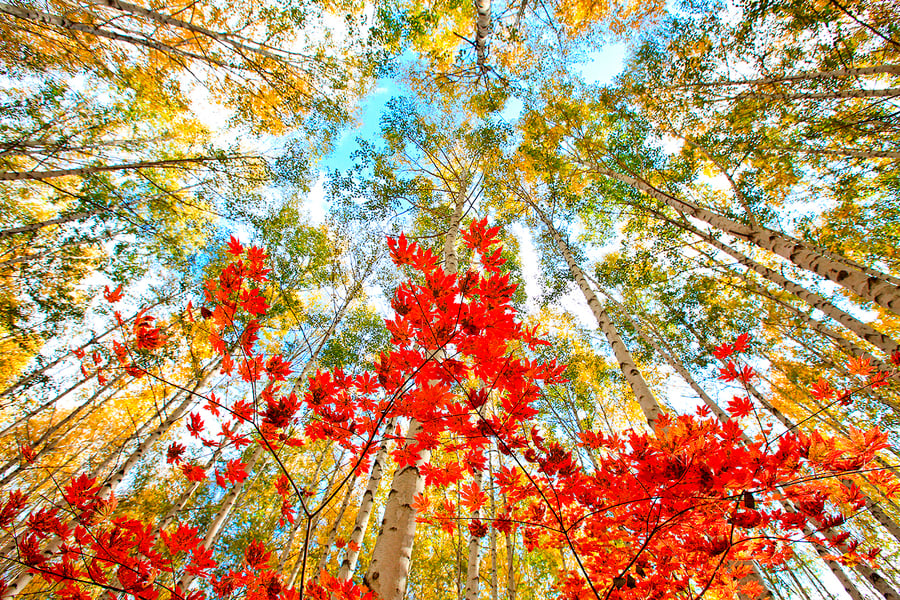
(145, 335)
(740, 406)
(256, 555)
(195, 425)
(821, 390)
(235, 247)
(227, 364)
(860, 366)
(112, 296)
(740, 344)
(479, 237)
(251, 369)
(193, 472)
(81, 493)
(256, 269)
(183, 539)
(253, 302)
(277, 369)
(249, 335)
(366, 383)
(28, 453)
(478, 528)
(235, 471)
(722, 352)
(173, 454)
(472, 497)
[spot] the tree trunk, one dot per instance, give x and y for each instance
(52, 402)
(348, 566)
(879, 514)
(495, 588)
(852, 153)
(867, 283)
(633, 376)
(76, 216)
(47, 437)
(838, 572)
(835, 95)
(473, 578)
(510, 566)
(865, 332)
(185, 496)
(808, 76)
(389, 568)
(873, 577)
(47, 19)
(882, 517)
(241, 48)
(25, 379)
(16, 587)
(228, 504)
(772, 583)
(151, 164)
(839, 340)
(482, 32)
(332, 533)
(668, 356)
(799, 586)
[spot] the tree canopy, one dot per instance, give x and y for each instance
(451, 301)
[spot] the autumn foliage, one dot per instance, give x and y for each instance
(669, 513)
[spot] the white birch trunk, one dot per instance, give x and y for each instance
(809, 75)
(839, 340)
(668, 356)
(510, 566)
(867, 283)
(482, 32)
(862, 330)
(473, 578)
(152, 164)
(46, 437)
(332, 533)
(642, 393)
(16, 587)
(389, 568)
(185, 496)
(348, 566)
(835, 95)
(228, 504)
(76, 216)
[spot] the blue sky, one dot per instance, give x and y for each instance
(600, 67)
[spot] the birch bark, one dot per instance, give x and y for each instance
(389, 568)
(642, 393)
(867, 283)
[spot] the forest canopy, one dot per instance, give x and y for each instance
(450, 301)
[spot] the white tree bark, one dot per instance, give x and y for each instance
(228, 504)
(152, 164)
(808, 76)
(473, 578)
(389, 568)
(867, 283)
(642, 393)
(16, 587)
(667, 355)
(863, 330)
(348, 566)
(482, 32)
(332, 533)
